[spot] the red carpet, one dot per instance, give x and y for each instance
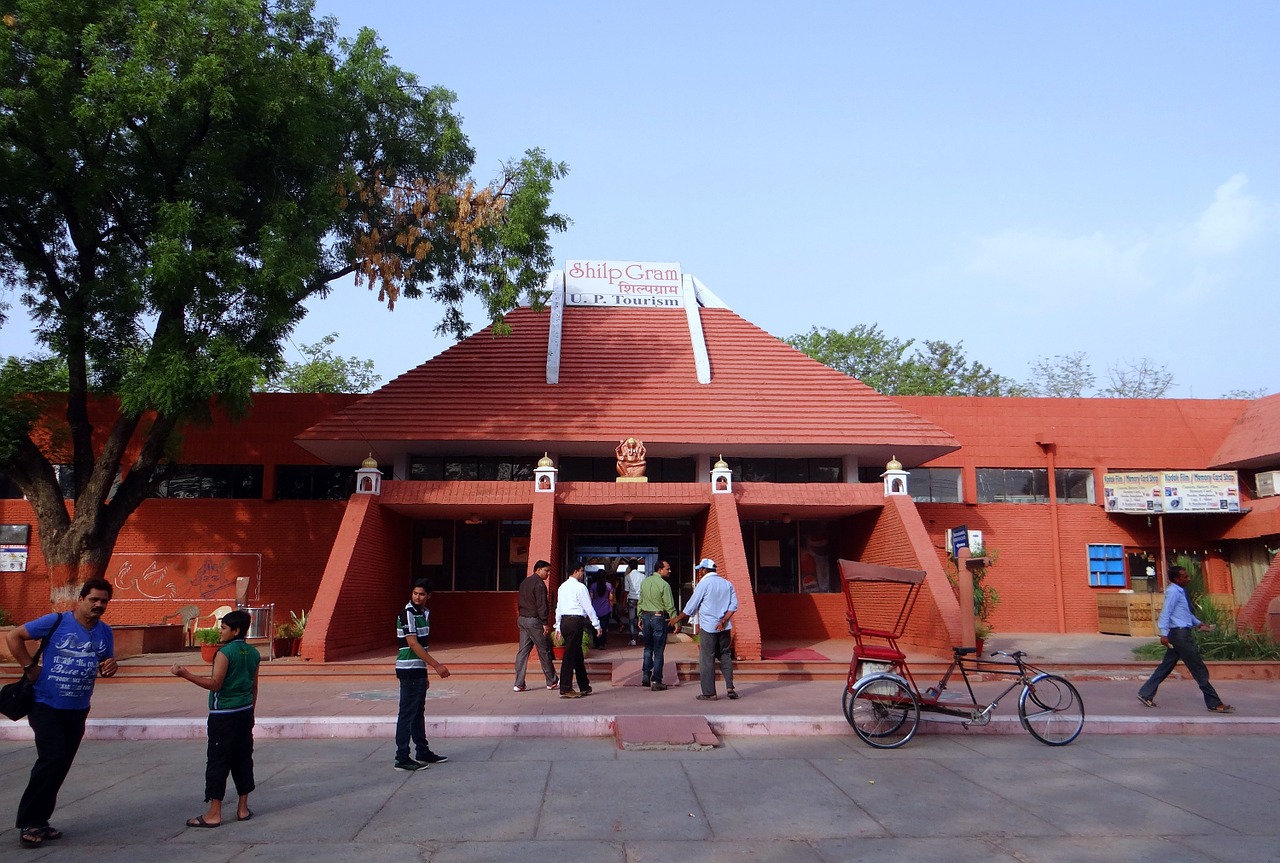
(795, 654)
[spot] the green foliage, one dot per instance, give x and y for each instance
(934, 368)
(985, 596)
(324, 372)
(1226, 643)
(208, 635)
(6, 619)
(25, 385)
(177, 177)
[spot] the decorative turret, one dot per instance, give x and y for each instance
(544, 476)
(721, 477)
(368, 477)
(895, 478)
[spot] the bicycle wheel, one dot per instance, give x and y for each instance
(1051, 710)
(883, 711)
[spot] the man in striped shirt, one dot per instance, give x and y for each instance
(412, 628)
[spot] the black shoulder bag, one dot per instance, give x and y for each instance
(16, 698)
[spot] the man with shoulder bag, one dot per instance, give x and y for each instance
(80, 648)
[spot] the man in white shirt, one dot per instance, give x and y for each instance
(573, 610)
(635, 577)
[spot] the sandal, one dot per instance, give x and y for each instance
(1147, 701)
(733, 695)
(199, 821)
(51, 833)
(1222, 708)
(31, 837)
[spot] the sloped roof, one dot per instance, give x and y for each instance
(1117, 434)
(1254, 441)
(627, 372)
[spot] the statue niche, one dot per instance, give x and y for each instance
(631, 453)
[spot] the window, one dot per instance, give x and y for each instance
(1106, 566)
(485, 468)
(212, 480)
(935, 484)
(1073, 485)
(482, 556)
(1013, 485)
(589, 469)
(795, 557)
(804, 470)
(317, 482)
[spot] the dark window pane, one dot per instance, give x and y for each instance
(575, 469)
(461, 469)
(757, 470)
(426, 469)
(477, 556)
(791, 470)
(824, 470)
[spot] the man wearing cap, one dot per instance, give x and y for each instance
(714, 600)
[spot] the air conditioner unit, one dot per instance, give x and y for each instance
(1268, 483)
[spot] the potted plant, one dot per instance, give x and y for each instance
(288, 638)
(557, 643)
(208, 639)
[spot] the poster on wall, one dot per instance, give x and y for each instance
(13, 558)
(1139, 492)
(1201, 491)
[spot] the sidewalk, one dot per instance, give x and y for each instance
(478, 701)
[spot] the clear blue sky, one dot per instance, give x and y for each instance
(1030, 178)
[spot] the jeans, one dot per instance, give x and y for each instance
(632, 606)
(654, 629)
(713, 646)
(230, 752)
(531, 636)
(58, 734)
(1182, 646)
(411, 721)
(571, 629)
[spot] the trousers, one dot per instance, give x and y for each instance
(58, 734)
(531, 636)
(714, 646)
(1182, 646)
(411, 720)
(230, 752)
(654, 629)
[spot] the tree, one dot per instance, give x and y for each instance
(176, 178)
(1061, 376)
(1242, 393)
(883, 364)
(323, 372)
(1137, 379)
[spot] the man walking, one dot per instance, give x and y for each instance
(533, 626)
(657, 611)
(80, 649)
(714, 600)
(573, 610)
(635, 578)
(1176, 622)
(412, 629)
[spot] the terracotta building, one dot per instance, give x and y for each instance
(504, 450)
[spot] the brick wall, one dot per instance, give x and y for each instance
(721, 541)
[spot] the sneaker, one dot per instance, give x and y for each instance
(555, 684)
(571, 694)
(733, 694)
(432, 758)
(644, 681)
(633, 642)
(586, 692)
(658, 687)
(706, 698)
(518, 688)
(410, 766)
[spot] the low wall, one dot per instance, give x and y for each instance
(148, 638)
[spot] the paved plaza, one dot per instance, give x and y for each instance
(802, 799)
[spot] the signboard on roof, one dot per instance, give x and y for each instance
(623, 284)
(1201, 491)
(1171, 491)
(1133, 492)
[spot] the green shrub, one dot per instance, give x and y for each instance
(6, 619)
(209, 635)
(1226, 643)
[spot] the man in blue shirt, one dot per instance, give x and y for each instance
(1176, 623)
(714, 600)
(81, 648)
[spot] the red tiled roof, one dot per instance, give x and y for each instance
(627, 372)
(1254, 441)
(1111, 433)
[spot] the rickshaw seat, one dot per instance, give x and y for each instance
(880, 653)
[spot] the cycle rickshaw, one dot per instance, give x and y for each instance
(881, 699)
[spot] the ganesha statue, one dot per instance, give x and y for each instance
(630, 454)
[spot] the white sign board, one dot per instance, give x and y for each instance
(1201, 491)
(1133, 492)
(13, 558)
(623, 284)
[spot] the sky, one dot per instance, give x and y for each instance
(1030, 179)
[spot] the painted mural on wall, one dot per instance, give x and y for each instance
(197, 575)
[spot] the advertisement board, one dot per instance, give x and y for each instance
(623, 284)
(1171, 491)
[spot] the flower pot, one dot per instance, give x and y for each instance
(283, 646)
(557, 653)
(209, 651)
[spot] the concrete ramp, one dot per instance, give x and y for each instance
(690, 733)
